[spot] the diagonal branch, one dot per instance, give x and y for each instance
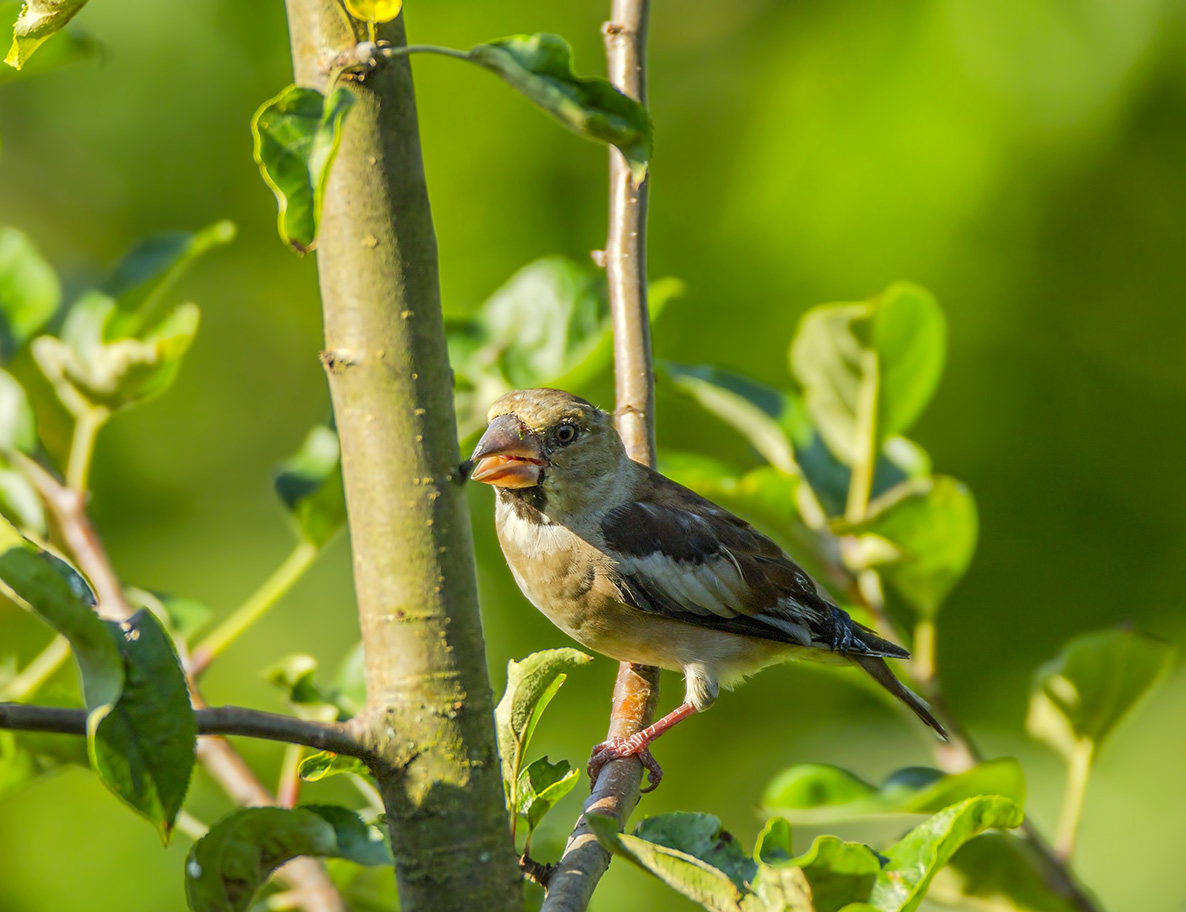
(636, 692)
(214, 720)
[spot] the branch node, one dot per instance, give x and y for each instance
(336, 361)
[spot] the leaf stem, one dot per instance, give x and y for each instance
(923, 666)
(1078, 771)
(860, 486)
(288, 789)
(258, 604)
(82, 446)
(37, 672)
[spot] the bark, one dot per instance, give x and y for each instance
(429, 700)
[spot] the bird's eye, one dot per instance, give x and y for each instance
(566, 434)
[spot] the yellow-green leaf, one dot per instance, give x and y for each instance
(39, 21)
(374, 10)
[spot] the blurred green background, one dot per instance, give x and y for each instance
(1023, 159)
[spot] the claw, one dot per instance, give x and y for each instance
(619, 748)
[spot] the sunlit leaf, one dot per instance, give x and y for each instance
(27, 756)
(310, 484)
(531, 685)
(838, 872)
(374, 10)
(541, 785)
(929, 527)
(540, 66)
(323, 764)
(296, 139)
(182, 617)
(702, 837)
(901, 885)
(72, 45)
(696, 879)
(819, 793)
(230, 863)
(19, 501)
(39, 21)
(998, 871)
(1079, 696)
(888, 351)
(29, 291)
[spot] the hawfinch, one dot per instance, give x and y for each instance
(634, 566)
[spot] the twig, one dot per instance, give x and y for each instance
(213, 720)
(636, 692)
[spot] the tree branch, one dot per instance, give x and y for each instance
(392, 391)
(636, 691)
(215, 720)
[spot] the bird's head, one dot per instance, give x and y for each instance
(551, 442)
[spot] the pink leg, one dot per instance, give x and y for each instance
(637, 745)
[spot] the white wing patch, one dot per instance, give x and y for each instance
(711, 587)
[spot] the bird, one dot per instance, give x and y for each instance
(641, 569)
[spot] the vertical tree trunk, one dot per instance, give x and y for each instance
(429, 700)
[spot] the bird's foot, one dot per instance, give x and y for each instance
(617, 749)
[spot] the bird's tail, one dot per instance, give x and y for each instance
(880, 673)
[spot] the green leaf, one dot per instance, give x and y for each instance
(60, 597)
(548, 325)
(72, 46)
(702, 837)
(140, 281)
(323, 764)
(18, 425)
(767, 417)
(89, 372)
(540, 66)
(531, 685)
(39, 21)
(144, 748)
(1082, 694)
(696, 879)
(838, 872)
(889, 350)
(901, 885)
(350, 682)
(541, 785)
(310, 484)
(777, 424)
(141, 729)
(764, 495)
(997, 871)
(819, 793)
(296, 139)
(780, 885)
(925, 531)
(230, 863)
(29, 291)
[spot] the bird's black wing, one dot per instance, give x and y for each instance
(682, 556)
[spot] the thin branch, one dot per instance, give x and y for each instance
(213, 720)
(571, 883)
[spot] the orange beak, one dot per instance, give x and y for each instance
(508, 455)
